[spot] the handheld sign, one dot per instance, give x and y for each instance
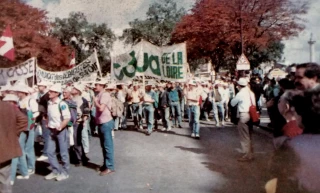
(243, 63)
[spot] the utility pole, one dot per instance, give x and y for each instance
(311, 43)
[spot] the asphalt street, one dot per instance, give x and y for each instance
(166, 162)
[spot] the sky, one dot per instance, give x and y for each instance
(118, 13)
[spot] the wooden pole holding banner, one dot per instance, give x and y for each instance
(98, 63)
(34, 72)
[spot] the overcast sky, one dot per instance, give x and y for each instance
(117, 14)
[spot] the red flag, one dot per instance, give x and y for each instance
(6, 44)
(73, 60)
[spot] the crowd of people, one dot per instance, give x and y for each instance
(67, 115)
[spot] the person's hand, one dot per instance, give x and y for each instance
(59, 128)
(270, 103)
(164, 106)
(96, 100)
(85, 118)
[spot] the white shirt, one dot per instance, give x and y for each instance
(243, 100)
(54, 115)
(193, 94)
(30, 104)
(121, 96)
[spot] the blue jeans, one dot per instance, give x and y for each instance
(176, 112)
(106, 142)
(20, 162)
(60, 138)
(29, 149)
(137, 114)
(221, 111)
(165, 115)
(194, 117)
(45, 135)
(149, 115)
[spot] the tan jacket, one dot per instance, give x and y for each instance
(12, 123)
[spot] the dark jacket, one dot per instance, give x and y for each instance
(43, 106)
(12, 122)
(164, 99)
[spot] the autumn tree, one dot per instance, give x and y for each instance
(75, 31)
(30, 29)
(213, 29)
(157, 27)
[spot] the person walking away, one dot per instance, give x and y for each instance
(13, 122)
(175, 105)
(58, 118)
(194, 109)
(43, 100)
(244, 99)
(164, 105)
(121, 95)
(105, 124)
(149, 99)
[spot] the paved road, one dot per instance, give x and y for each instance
(166, 163)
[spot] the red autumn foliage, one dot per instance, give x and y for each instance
(212, 29)
(30, 27)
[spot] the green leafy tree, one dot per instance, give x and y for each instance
(84, 37)
(157, 27)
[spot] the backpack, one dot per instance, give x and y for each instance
(117, 107)
(29, 114)
(85, 107)
(73, 112)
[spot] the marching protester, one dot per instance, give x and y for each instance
(193, 98)
(244, 99)
(164, 106)
(135, 96)
(105, 123)
(29, 107)
(81, 137)
(150, 102)
(43, 100)
(175, 105)
(58, 119)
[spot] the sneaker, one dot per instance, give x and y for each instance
(23, 177)
(11, 183)
(169, 129)
(180, 126)
(51, 176)
(62, 177)
(193, 135)
(208, 120)
(218, 125)
(30, 171)
(42, 158)
(163, 129)
(197, 136)
(223, 123)
(141, 127)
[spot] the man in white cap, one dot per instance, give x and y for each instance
(193, 99)
(105, 123)
(81, 135)
(150, 102)
(244, 99)
(58, 119)
(43, 99)
(30, 108)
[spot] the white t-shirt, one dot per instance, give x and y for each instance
(57, 113)
(30, 104)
